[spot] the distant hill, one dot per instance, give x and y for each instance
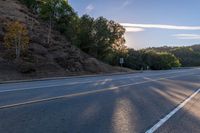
(188, 55)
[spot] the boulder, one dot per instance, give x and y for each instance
(38, 49)
(1, 60)
(26, 68)
(94, 66)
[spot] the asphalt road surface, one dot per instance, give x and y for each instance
(153, 101)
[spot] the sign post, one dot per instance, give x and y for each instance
(121, 61)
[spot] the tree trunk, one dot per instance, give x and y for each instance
(18, 47)
(32, 23)
(49, 33)
(16, 52)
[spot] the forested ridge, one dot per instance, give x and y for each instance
(165, 57)
(189, 56)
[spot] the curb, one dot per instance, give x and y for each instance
(68, 77)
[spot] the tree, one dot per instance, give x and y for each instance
(117, 40)
(68, 22)
(48, 12)
(117, 37)
(16, 37)
(102, 39)
(161, 60)
(136, 59)
(86, 35)
(31, 4)
(150, 58)
(59, 13)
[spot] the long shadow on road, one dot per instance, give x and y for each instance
(127, 110)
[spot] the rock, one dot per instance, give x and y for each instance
(38, 49)
(92, 65)
(1, 60)
(48, 67)
(78, 66)
(1, 35)
(61, 58)
(26, 68)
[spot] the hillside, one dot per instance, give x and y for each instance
(189, 56)
(42, 60)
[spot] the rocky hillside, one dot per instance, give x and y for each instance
(60, 58)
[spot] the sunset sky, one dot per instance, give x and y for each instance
(149, 23)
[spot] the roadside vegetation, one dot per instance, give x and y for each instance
(16, 38)
(189, 56)
(150, 59)
(100, 38)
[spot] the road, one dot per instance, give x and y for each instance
(153, 101)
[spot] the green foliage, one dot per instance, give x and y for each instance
(101, 38)
(56, 9)
(61, 16)
(135, 59)
(86, 35)
(188, 56)
(154, 60)
(31, 4)
(67, 22)
(163, 60)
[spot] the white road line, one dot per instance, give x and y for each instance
(173, 112)
(74, 83)
(82, 93)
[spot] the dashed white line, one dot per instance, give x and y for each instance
(173, 112)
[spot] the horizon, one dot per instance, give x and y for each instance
(149, 23)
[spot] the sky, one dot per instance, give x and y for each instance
(149, 23)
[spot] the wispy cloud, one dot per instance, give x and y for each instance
(133, 29)
(187, 36)
(159, 26)
(89, 8)
(126, 3)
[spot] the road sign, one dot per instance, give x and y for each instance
(121, 61)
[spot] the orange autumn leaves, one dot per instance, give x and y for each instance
(17, 37)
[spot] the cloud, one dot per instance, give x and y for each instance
(131, 29)
(187, 36)
(89, 8)
(126, 3)
(160, 26)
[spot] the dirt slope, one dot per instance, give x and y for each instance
(42, 60)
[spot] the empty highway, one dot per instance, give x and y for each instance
(148, 102)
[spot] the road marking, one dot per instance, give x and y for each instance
(84, 82)
(173, 112)
(83, 93)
